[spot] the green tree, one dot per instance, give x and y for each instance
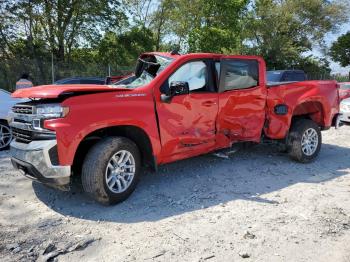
(140, 11)
(315, 68)
(281, 31)
(121, 50)
(207, 25)
(43, 27)
(340, 50)
(161, 25)
(153, 15)
(220, 27)
(64, 24)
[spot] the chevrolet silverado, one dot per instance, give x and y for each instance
(178, 106)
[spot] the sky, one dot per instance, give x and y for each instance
(330, 38)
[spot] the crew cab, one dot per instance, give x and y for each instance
(178, 106)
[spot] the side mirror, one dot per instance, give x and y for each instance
(176, 88)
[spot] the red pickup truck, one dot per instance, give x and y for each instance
(178, 106)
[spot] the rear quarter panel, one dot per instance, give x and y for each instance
(320, 99)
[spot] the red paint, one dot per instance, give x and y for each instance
(187, 125)
(242, 112)
(53, 91)
(191, 124)
(91, 112)
(318, 99)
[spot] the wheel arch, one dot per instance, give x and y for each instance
(134, 133)
(313, 110)
(278, 125)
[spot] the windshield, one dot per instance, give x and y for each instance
(148, 68)
(144, 79)
(274, 76)
(345, 86)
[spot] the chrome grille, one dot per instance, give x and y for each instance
(22, 136)
(22, 118)
(23, 109)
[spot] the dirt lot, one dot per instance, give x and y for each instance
(256, 206)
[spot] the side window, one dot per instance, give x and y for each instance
(240, 74)
(194, 73)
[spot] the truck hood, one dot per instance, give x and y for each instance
(54, 91)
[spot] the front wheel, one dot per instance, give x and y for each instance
(304, 141)
(111, 170)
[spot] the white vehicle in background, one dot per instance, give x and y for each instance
(6, 103)
(345, 110)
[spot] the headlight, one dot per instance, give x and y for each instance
(46, 112)
(344, 107)
(51, 111)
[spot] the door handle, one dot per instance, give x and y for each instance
(208, 103)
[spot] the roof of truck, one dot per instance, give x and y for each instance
(199, 55)
(287, 70)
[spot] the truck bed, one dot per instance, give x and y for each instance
(273, 84)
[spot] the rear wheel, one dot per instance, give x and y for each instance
(111, 170)
(304, 141)
(5, 136)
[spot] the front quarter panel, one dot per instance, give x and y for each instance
(88, 113)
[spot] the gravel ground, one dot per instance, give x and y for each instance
(256, 206)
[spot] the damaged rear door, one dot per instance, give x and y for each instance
(242, 99)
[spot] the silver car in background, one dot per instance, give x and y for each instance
(345, 110)
(6, 103)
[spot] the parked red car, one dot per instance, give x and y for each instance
(178, 106)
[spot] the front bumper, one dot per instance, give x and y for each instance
(33, 159)
(345, 117)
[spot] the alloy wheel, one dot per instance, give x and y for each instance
(5, 136)
(309, 142)
(120, 171)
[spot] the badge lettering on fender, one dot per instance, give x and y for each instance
(130, 95)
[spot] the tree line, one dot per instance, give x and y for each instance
(90, 37)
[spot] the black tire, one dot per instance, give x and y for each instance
(95, 165)
(295, 140)
(282, 148)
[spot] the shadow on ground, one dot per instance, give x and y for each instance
(203, 182)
